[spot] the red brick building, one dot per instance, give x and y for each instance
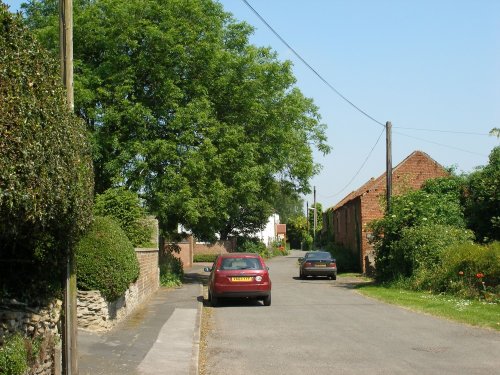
(348, 219)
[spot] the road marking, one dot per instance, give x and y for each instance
(171, 353)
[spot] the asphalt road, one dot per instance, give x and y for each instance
(319, 326)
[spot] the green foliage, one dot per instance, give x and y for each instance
(125, 207)
(420, 246)
(204, 258)
(482, 200)
(13, 356)
(251, 245)
(46, 179)
(171, 267)
(279, 248)
(465, 267)
(414, 209)
(209, 128)
(296, 231)
(106, 259)
(307, 242)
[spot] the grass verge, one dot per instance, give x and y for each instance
(473, 312)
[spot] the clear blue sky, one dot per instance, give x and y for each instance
(421, 64)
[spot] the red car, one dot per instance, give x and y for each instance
(239, 275)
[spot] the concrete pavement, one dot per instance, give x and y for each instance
(161, 337)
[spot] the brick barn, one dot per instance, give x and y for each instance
(348, 219)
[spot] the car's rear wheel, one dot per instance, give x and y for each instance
(267, 300)
(333, 277)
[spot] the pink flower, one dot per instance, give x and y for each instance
(479, 275)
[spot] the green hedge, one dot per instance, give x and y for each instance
(204, 258)
(106, 259)
(46, 175)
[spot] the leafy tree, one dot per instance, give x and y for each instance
(482, 199)
(297, 233)
(125, 207)
(46, 174)
(288, 205)
(208, 128)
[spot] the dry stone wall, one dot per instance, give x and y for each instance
(42, 322)
(97, 314)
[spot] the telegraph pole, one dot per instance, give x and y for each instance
(315, 220)
(70, 353)
(388, 172)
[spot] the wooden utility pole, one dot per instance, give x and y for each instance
(388, 172)
(66, 48)
(315, 219)
(70, 352)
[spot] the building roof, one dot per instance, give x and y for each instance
(379, 182)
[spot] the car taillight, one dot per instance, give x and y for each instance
(333, 265)
(308, 264)
(258, 278)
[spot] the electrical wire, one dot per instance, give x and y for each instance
(441, 131)
(358, 171)
(310, 67)
(441, 144)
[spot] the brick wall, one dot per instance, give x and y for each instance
(410, 174)
(149, 278)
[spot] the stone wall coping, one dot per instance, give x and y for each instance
(146, 250)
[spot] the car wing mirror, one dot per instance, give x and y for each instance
(301, 259)
(207, 269)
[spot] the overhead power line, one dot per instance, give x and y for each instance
(311, 68)
(441, 144)
(441, 131)
(359, 170)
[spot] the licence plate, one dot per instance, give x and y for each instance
(321, 265)
(243, 279)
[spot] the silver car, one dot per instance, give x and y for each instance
(318, 263)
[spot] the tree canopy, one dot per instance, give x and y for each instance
(208, 128)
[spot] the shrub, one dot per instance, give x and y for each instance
(171, 267)
(251, 245)
(125, 207)
(421, 246)
(106, 259)
(465, 267)
(204, 258)
(46, 178)
(416, 208)
(13, 356)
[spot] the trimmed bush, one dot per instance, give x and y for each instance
(46, 177)
(106, 259)
(204, 258)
